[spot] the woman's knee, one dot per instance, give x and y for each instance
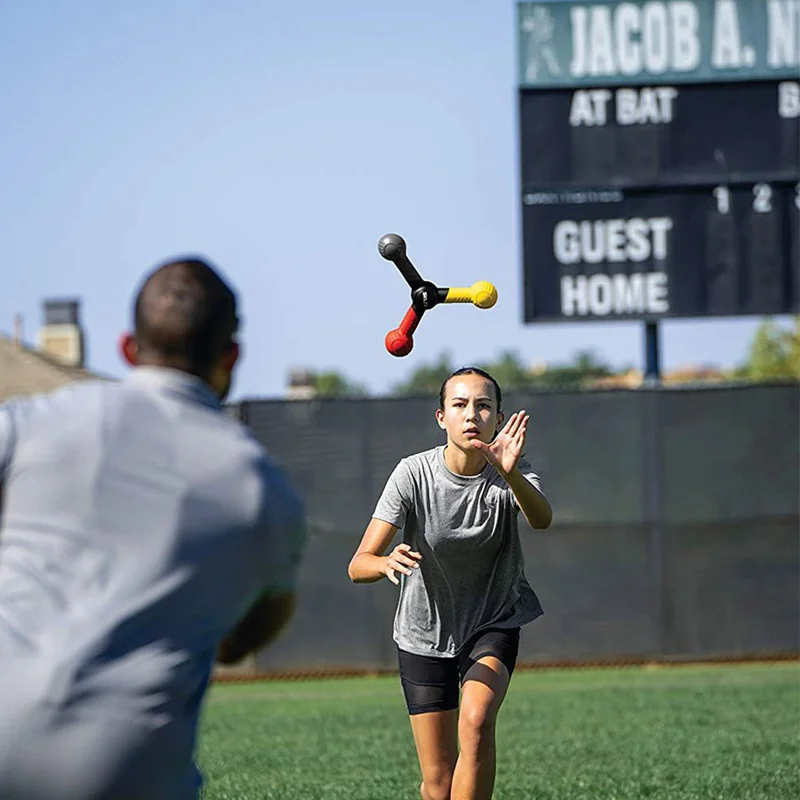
(476, 725)
(436, 783)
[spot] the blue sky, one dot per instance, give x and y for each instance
(281, 140)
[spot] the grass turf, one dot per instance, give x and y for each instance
(664, 733)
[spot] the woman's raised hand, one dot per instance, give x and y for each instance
(504, 452)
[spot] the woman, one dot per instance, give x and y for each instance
(463, 594)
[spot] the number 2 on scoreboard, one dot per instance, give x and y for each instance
(762, 198)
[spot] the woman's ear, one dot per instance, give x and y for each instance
(129, 349)
(440, 417)
(501, 418)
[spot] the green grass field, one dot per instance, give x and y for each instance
(685, 733)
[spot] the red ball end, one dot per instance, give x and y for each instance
(398, 344)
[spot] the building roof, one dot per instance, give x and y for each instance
(24, 371)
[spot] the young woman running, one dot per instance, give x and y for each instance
(463, 591)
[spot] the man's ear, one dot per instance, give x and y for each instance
(129, 349)
(501, 418)
(231, 356)
(440, 417)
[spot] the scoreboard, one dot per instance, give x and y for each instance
(659, 135)
(659, 193)
(677, 252)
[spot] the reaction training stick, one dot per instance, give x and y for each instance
(424, 295)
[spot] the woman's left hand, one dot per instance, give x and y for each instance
(505, 451)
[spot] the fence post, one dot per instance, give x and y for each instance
(655, 521)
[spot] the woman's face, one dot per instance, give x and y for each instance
(470, 411)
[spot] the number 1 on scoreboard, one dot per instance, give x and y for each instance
(723, 196)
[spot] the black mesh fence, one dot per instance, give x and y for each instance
(675, 532)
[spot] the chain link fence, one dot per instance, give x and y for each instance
(675, 534)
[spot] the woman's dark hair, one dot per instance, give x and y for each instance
(471, 371)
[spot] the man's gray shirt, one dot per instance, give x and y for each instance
(471, 575)
(139, 523)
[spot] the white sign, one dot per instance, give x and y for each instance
(612, 241)
(648, 105)
(601, 295)
(643, 41)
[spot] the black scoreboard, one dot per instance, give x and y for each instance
(657, 253)
(660, 200)
(640, 136)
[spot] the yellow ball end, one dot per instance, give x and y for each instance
(484, 295)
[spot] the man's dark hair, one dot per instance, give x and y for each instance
(471, 371)
(185, 317)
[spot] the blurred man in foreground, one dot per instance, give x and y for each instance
(143, 532)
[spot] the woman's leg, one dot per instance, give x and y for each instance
(430, 686)
(483, 689)
(435, 737)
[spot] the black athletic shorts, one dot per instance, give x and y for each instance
(431, 683)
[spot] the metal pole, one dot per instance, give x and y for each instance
(652, 356)
(653, 478)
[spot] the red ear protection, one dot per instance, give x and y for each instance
(129, 349)
(231, 356)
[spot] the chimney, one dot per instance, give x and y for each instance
(61, 336)
(301, 385)
(19, 333)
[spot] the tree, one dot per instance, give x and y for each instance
(510, 373)
(426, 379)
(584, 367)
(793, 348)
(774, 353)
(332, 384)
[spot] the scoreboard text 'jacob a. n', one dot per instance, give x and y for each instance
(660, 158)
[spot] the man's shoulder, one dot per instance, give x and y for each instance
(241, 442)
(250, 452)
(74, 394)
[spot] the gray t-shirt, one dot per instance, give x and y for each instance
(471, 575)
(139, 522)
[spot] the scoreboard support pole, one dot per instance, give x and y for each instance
(652, 353)
(653, 456)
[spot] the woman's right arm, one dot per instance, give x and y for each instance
(369, 564)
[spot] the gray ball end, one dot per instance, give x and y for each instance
(391, 246)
